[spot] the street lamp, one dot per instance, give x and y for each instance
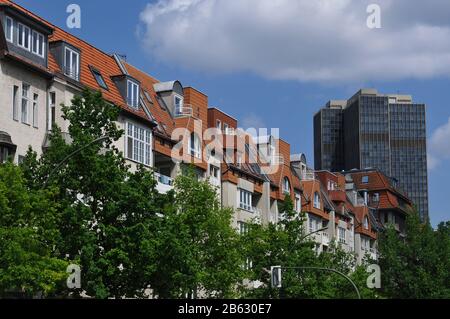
(100, 139)
(276, 275)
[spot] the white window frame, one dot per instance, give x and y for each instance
(219, 125)
(15, 102)
(214, 171)
(243, 228)
(74, 74)
(9, 32)
(178, 107)
(41, 45)
(245, 199)
(51, 107)
(196, 149)
(312, 225)
(366, 222)
(35, 110)
(133, 94)
(141, 148)
(286, 186)
(316, 200)
(25, 105)
(341, 234)
(298, 203)
(21, 35)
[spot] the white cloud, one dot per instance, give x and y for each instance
(320, 40)
(439, 145)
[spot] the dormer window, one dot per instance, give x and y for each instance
(286, 186)
(365, 179)
(99, 78)
(9, 31)
(38, 44)
(366, 222)
(24, 37)
(178, 103)
(316, 200)
(72, 63)
(132, 94)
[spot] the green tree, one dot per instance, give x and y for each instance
(417, 265)
(200, 254)
(28, 235)
(108, 214)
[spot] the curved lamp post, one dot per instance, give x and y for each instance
(278, 278)
(100, 139)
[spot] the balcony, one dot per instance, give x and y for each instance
(308, 176)
(165, 183)
(185, 110)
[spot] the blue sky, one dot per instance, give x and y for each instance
(265, 71)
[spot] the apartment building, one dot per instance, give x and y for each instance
(42, 67)
(387, 204)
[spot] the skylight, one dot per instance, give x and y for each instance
(99, 78)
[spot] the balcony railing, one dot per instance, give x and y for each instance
(308, 176)
(74, 74)
(185, 110)
(165, 183)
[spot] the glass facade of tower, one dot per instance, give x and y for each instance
(376, 131)
(409, 153)
(328, 133)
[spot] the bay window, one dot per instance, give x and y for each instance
(138, 144)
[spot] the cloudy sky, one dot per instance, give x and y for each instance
(274, 63)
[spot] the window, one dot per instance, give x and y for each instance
(9, 29)
(341, 233)
(72, 63)
(139, 144)
(298, 203)
(35, 110)
(99, 78)
(147, 96)
(132, 94)
(243, 228)
(219, 125)
(25, 103)
(194, 146)
(286, 186)
(245, 199)
(38, 44)
(316, 200)
(366, 223)
(214, 171)
(225, 128)
(4, 154)
(178, 103)
(311, 224)
(376, 197)
(15, 103)
(52, 111)
(239, 160)
(24, 40)
(365, 179)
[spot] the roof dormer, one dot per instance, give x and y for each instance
(129, 88)
(173, 96)
(68, 58)
(25, 36)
